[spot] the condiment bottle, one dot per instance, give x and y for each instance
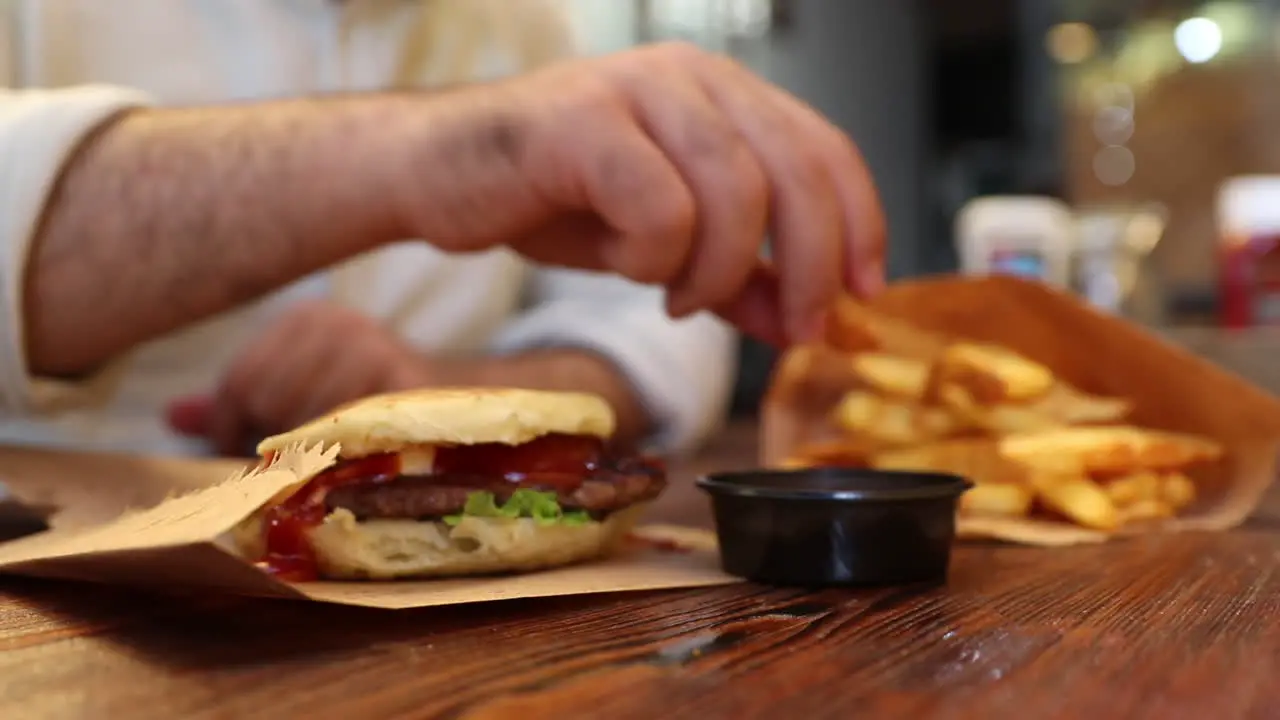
(1024, 235)
(1249, 251)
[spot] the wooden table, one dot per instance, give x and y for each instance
(1164, 627)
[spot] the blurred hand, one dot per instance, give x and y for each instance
(668, 165)
(313, 359)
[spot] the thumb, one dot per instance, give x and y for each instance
(191, 415)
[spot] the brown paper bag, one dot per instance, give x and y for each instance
(163, 523)
(1170, 388)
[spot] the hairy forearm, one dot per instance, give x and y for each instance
(562, 370)
(165, 217)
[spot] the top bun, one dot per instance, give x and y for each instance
(450, 416)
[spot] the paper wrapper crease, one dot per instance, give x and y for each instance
(164, 523)
(1170, 388)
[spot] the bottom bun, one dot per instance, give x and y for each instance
(348, 549)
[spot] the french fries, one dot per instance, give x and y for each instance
(1077, 498)
(855, 452)
(1145, 511)
(994, 419)
(990, 374)
(888, 421)
(1033, 444)
(1177, 490)
(975, 458)
(1136, 488)
(1068, 406)
(997, 499)
(1114, 450)
(892, 375)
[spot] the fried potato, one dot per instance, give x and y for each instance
(1062, 407)
(854, 327)
(976, 459)
(1000, 486)
(1112, 450)
(997, 499)
(1066, 405)
(991, 374)
(1078, 499)
(1145, 511)
(1177, 490)
(937, 422)
(994, 419)
(850, 452)
(893, 375)
(867, 415)
(890, 422)
(1134, 488)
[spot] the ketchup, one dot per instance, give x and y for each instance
(289, 553)
(558, 461)
(1250, 281)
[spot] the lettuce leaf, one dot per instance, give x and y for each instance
(540, 506)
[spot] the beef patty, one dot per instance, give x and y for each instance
(413, 497)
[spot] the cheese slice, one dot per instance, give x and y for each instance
(418, 460)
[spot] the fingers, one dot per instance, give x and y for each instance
(230, 421)
(315, 358)
(808, 218)
(228, 431)
(727, 184)
(637, 213)
(347, 377)
(656, 214)
(865, 227)
(190, 416)
(864, 220)
(574, 241)
(267, 383)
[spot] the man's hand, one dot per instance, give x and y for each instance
(668, 165)
(316, 357)
(321, 355)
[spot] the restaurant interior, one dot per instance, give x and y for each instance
(970, 497)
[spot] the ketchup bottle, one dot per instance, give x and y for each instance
(1249, 251)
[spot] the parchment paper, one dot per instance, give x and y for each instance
(162, 523)
(1171, 388)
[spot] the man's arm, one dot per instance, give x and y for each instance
(593, 164)
(164, 217)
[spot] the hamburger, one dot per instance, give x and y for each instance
(452, 482)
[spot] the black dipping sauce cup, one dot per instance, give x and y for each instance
(835, 526)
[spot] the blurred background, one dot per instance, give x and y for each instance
(1121, 148)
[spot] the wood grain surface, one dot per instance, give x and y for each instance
(1162, 627)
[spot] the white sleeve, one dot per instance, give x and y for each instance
(683, 371)
(39, 131)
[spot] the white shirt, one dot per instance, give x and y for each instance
(70, 64)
